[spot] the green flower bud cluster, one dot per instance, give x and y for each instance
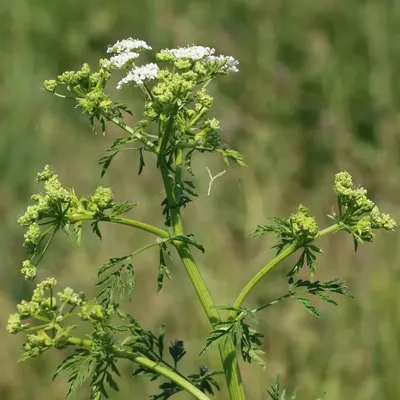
(37, 344)
(55, 194)
(45, 175)
(49, 312)
(39, 306)
(88, 88)
(15, 324)
(172, 86)
(354, 200)
(92, 312)
(28, 270)
(203, 99)
(304, 227)
(95, 103)
(209, 137)
(358, 214)
(80, 82)
(382, 221)
(101, 199)
(52, 204)
(31, 237)
(68, 296)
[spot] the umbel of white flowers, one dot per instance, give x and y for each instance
(192, 57)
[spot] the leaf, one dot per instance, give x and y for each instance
(250, 342)
(218, 334)
(160, 341)
(204, 380)
(78, 366)
(115, 282)
(122, 208)
(190, 240)
(130, 280)
(276, 393)
(168, 389)
(305, 303)
(281, 229)
(102, 375)
(77, 226)
(105, 161)
(96, 230)
(230, 154)
(163, 271)
(177, 351)
(141, 161)
(112, 262)
(254, 355)
(189, 187)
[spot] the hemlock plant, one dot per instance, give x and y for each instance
(175, 126)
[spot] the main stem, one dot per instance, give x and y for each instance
(227, 350)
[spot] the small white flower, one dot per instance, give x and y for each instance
(139, 75)
(122, 59)
(127, 45)
(193, 52)
(226, 63)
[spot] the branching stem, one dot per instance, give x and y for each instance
(147, 363)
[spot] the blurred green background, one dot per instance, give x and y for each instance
(317, 92)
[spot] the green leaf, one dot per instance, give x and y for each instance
(305, 303)
(112, 262)
(77, 226)
(177, 351)
(231, 155)
(119, 209)
(276, 393)
(130, 280)
(204, 380)
(78, 366)
(141, 161)
(114, 281)
(189, 239)
(160, 341)
(218, 334)
(105, 161)
(163, 271)
(96, 230)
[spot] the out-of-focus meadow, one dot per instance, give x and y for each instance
(317, 92)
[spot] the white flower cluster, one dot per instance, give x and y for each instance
(122, 60)
(128, 45)
(139, 75)
(225, 63)
(193, 52)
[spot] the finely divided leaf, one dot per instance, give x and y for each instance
(190, 239)
(77, 226)
(163, 271)
(78, 366)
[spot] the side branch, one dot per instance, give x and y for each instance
(122, 221)
(149, 364)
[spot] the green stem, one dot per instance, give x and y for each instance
(147, 363)
(275, 261)
(165, 137)
(145, 138)
(227, 350)
(122, 221)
